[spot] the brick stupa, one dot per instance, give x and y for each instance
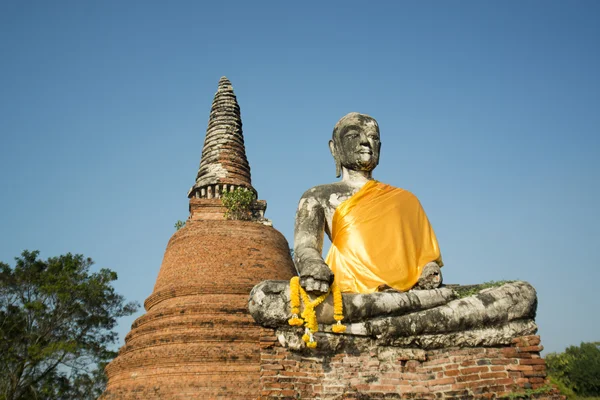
(197, 339)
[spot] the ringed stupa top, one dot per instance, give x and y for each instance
(223, 165)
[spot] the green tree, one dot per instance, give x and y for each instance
(578, 368)
(238, 204)
(56, 327)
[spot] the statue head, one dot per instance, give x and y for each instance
(355, 143)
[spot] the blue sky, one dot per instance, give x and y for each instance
(489, 113)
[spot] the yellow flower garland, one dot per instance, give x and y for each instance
(309, 317)
(295, 302)
(338, 310)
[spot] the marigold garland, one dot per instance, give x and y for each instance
(338, 310)
(295, 302)
(308, 316)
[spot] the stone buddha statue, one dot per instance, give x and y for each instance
(381, 237)
(385, 261)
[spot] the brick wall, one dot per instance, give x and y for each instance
(389, 373)
(197, 340)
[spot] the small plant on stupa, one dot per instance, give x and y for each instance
(179, 224)
(238, 204)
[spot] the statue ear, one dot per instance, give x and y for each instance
(338, 165)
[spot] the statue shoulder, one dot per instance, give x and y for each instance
(405, 192)
(326, 196)
(322, 192)
(326, 191)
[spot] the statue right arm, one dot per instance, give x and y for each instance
(315, 275)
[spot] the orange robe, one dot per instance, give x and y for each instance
(380, 235)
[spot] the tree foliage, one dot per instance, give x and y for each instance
(56, 326)
(238, 204)
(578, 368)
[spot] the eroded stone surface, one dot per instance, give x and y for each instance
(269, 303)
(358, 339)
(481, 337)
(431, 277)
(419, 318)
(490, 307)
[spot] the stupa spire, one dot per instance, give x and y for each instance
(223, 165)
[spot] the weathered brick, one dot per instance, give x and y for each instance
(442, 381)
(533, 361)
(423, 380)
(473, 370)
(491, 375)
(519, 367)
(467, 378)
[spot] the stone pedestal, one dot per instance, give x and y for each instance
(362, 370)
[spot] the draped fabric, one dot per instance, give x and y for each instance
(380, 235)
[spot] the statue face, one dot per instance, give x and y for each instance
(356, 142)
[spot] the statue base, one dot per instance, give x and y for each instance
(360, 368)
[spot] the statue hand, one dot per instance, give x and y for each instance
(316, 277)
(431, 277)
